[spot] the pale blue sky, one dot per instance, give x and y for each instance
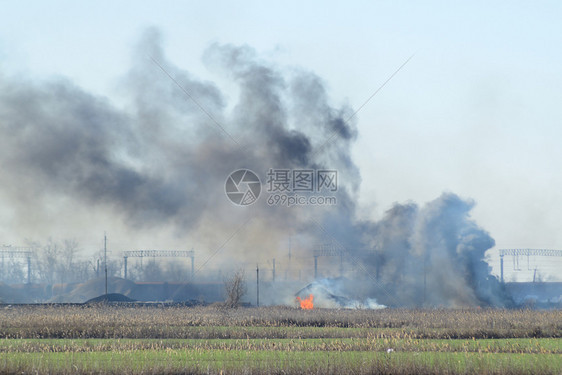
(477, 110)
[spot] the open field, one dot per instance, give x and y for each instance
(111, 339)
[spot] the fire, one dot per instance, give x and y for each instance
(306, 304)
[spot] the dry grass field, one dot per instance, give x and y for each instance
(176, 340)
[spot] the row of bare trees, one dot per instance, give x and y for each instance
(63, 261)
(55, 262)
(158, 270)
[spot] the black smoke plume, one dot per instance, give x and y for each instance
(162, 158)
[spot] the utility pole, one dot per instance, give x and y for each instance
(501, 267)
(258, 285)
(424, 279)
(29, 270)
(105, 259)
(288, 268)
(192, 265)
(315, 267)
(273, 270)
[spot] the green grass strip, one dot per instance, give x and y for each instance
(537, 346)
(246, 361)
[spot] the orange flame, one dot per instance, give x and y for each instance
(306, 304)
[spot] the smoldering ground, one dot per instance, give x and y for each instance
(161, 161)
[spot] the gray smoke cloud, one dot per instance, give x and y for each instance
(160, 161)
(432, 255)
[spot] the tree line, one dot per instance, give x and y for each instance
(64, 261)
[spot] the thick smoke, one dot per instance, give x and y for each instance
(161, 161)
(430, 256)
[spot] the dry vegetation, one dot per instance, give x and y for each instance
(163, 339)
(106, 321)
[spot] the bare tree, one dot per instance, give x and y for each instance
(67, 267)
(58, 262)
(49, 261)
(235, 287)
(153, 271)
(177, 271)
(15, 272)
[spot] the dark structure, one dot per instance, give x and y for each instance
(159, 254)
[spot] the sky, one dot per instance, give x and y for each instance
(476, 111)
